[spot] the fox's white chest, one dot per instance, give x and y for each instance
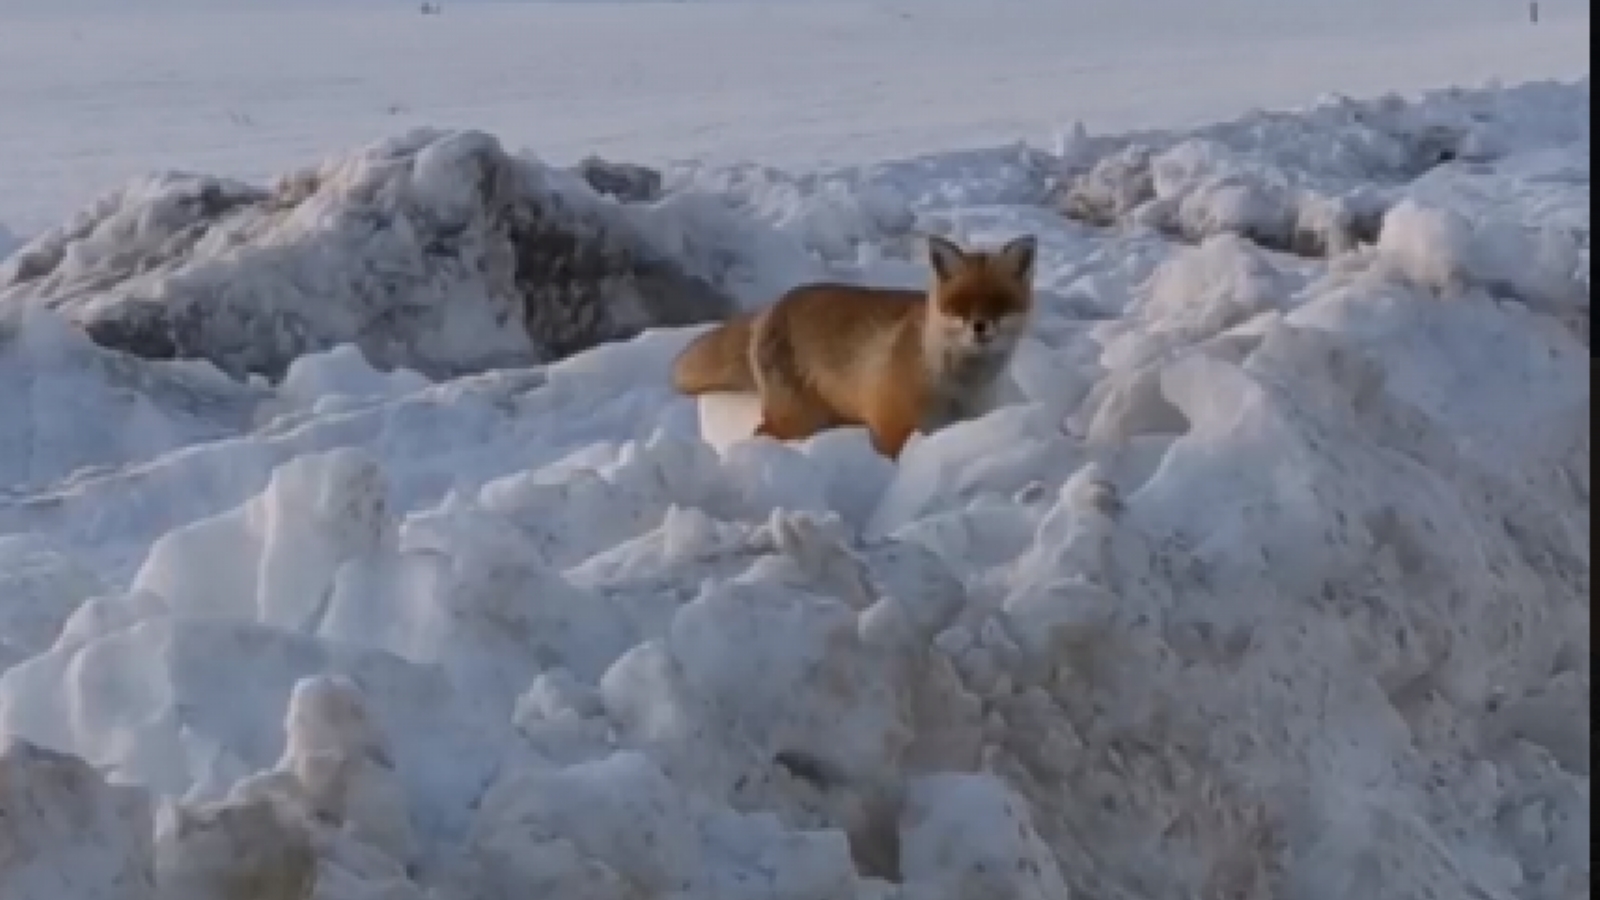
(966, 387)
(950, 409)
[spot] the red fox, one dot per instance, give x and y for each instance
(896, 361)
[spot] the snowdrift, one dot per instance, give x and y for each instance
(1273, 583)
(1318, 184)
(435, 251)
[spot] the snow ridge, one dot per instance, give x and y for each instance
(436, 251)
(1272, 582)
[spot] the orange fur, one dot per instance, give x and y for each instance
(894, 361)
(718, 360)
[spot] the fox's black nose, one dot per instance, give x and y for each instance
(982, 328)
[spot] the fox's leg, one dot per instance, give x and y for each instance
(790, 408)
(796, 422)
(892, 419)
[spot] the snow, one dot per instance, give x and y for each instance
(8, 243)
(200, 85)
(436, 251)
(1271, 578)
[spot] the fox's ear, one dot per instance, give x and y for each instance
(945, 256)
(1018, 256)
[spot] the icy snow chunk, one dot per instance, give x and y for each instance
(102, 616)
(816, 690)
(1200, 189)
(1127, 404)
(787, 666)
(1440, 249)
(853, 474)
(343, 765)
(1215, 192)
(755, 857)
(167, 703)
(274, 560)
(834, 472)
(66, 833)
(970, 837)
(233, 850)
(772, 475)
(920, 586)
(1529, 409)
(995, 455)
(342, 372)
(72, 408)
(1317, 182)
(487, 610)
(1367, 848)
(1430, 245)
(40, 589)
(588, 831)
(614, 495)
(1195, 295)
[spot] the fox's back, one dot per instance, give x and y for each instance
(843, 340)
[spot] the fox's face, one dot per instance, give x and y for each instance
(981, 301)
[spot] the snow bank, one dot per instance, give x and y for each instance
(68, 833)
(436, 251)
(1316, 183)
(1273, 582)
(71, 406)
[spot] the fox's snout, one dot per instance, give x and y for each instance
(980, 334)
(984, 333)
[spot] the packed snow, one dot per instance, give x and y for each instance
(1270, 580)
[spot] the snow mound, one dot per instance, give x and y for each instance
(842, 215)
(1272, 581)
(1314, 184)
(69, 834)
(1443, 250)
(436, 251)
(74, 407)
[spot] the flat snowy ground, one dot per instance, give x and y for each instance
(1271, 583)
(93, 98)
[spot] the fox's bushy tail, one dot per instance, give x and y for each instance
(718, 360)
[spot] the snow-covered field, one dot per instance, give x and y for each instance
(251, 89)
(1271, 582)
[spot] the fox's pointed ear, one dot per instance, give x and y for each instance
(1018, 256)
(945, 256)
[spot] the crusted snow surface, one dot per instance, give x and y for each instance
(1272, 581)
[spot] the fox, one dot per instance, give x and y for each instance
(897, 361)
